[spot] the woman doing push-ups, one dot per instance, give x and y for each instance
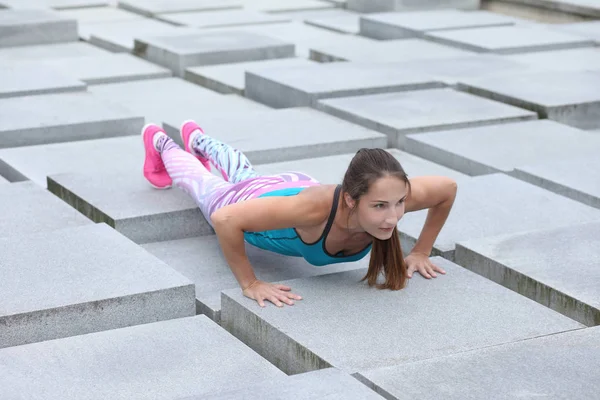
(293, 214)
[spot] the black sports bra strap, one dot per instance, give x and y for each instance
(336, 198)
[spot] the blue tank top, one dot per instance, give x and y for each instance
(288, 242)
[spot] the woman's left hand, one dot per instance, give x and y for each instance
(421, 262)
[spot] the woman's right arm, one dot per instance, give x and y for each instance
(255, 215)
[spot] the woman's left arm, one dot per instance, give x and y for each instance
(437, 194)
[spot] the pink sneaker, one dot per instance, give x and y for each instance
(187, 128)
(154, 168)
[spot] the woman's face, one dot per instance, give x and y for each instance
(380, 209)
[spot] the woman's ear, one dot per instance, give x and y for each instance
(349, 201)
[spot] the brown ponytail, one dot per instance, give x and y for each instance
(366, 167)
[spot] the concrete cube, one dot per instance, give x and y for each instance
(402, 25)
(27, 80)
(222, 18)
(588, 8)
(347, 24)
(150, 8)
(383, 51)
(53, 118)
(27, 208)
(562, 365)
(504, 147)
(331, 335)
(48, 52)
(590, 29)
(399, 114)
(584, 59)
(571, 98)
(231, 78)
(178, 52)
(55, 4)
(526, 263)
(303, 86)
(165, 360)
(509, 39)
(50, 291)
(277, 6)
(370, 6)
(577, 177)
(93, 15)
(492, 205)
(36, 26)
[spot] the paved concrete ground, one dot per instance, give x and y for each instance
(112, 289)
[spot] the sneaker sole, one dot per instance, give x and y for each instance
(143, 144)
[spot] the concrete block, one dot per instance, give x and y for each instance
(109, 68)
(303, 86)
(111, 284)
(222, 18)
(28, 27)
(585, 59)
(504, 147)
(178, 52)
(526, 263)
(399, 114)
(561, 365)
(347, 24)
(164, 360)
(176, 100)
(329, 382)
(54, 118)
(48, 52)
(588, 8)
(27, 209)
(55, 4)
(126, 201)
(403, 25)
(92, 15)
(371, 6)
(589, 30)
(577, 177)
(331, 169)
(569, 97)
(276, 6)
(332, 336)
(230, 78)
(3, 180)
(494, 205)
(304, 15)
(285, 135)
(383, 51)
(509, 39)
(150, 8)
(27, 80)
(87, 156)
(200, 259)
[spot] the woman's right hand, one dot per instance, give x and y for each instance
(275, 293)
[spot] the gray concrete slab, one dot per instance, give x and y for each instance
(371, 6)
(328, 382)
(284, 135)
(93, 15)
(164, 360)
(178, 52)
(331, 169)
(589, 8)
(509, 39)
(151, 8)
(526, 263)
(347, 24)
(55, 4)
(54, 118)
(119, 36)
(225, 18)
(589, 30)
(555, 366)
(276, 6)
(497, 204)
(87, 156)
(125, 201)
(27, 208)
(403, 25)
(37, 26)
(504, 147)
(569, 97)
(3, 180)
(109, 68)
(28, 80)
(304, 15)
(176, 100)
(331, 335)
(585, 59)
(383, 51)
(111, 284)
(49, 52)
(303, 86)
(399, 114)
(577, 177)
(231, 78)
(201, 260)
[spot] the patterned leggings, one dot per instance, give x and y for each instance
(211, 192)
